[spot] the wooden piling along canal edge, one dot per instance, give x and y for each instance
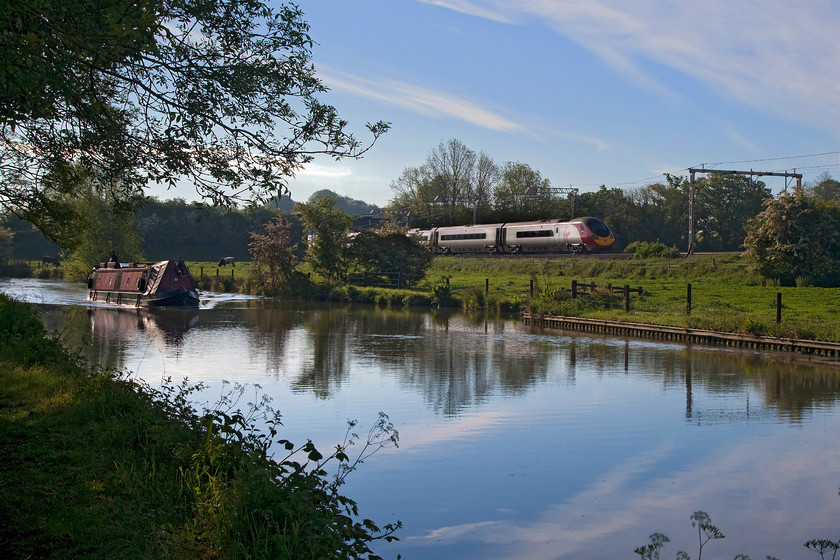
(681, 334)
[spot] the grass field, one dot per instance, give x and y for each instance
(725, 295)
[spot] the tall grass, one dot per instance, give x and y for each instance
(96, 465)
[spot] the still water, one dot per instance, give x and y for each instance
(515, 443)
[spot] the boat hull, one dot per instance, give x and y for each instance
(161, 284)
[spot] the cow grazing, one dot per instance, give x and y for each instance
(226, 260)
(45, 260)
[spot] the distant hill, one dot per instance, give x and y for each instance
(350, 206)
(283, 203)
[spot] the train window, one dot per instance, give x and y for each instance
(457, 236)
(534, 233)
(597, 226)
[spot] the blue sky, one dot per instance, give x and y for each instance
(588, 93)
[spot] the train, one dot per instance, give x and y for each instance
(543, 236)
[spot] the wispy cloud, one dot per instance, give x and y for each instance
(421, 100)
(777, 56)
(318, 170)
(471, 8)
(614, 509)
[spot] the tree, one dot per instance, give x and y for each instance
(452, 187)
(273, 259)
(221, 92)
(390, 254)
(661, 212)
(724, 204)
(826, 189)
(327, 241)
(796, 240)
(88, 217)
(521, 193)
(6, 237)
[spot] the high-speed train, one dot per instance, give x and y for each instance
(544, 236)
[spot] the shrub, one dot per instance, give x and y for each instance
(651, 249)
(442, 295)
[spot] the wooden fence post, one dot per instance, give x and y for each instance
(486, 286)
(532, 287)
(688, 300)
(778, 307)
(574, 289)
(626, 298)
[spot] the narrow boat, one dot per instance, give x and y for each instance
(161, 284)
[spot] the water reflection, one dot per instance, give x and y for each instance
(455, 362)
(516, 442)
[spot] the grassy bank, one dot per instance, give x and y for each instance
(97, 466)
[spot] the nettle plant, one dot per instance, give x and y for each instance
(259, 496)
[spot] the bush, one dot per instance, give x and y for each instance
(442, 295)
(23, 338)
(651, 249)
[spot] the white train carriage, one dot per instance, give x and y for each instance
(482, 238)
(538, 237)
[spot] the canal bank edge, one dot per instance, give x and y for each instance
(817, 348)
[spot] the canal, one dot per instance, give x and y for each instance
(515, 442)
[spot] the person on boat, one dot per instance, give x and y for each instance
(114, 259)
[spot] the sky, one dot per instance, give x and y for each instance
(588, 93)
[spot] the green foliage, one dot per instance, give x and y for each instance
(88, 216)
(651, 249)
(794, 237)
(826, 189)
(288, 507)
(523, 194)
(6, 237)
(23, 338)
(723, 205)
(29, 243)
(220, 91)
(326, 249)
(390, 255)
(104, 466)
(442, 295)
(273, 260)
(556, 301)
(195, 231)
(453, 186)
(474, 299)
